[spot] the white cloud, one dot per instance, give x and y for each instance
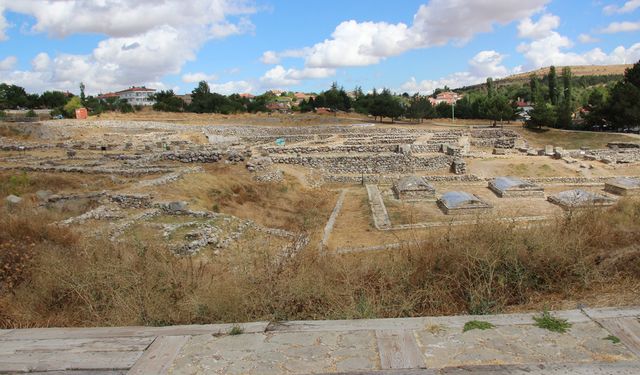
(487, 64)
(586, 39)
(270, 57)
(483, 65)
(231, 87)
(552, 50)
(537, 30)
(279, 77)
(436, 23)
(273, 57)
(621, 27)
(146, 39)
(197, 77)
(628, 7)
(4, 25)
(121, 18)
(8, 63)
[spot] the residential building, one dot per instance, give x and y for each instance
(133, 95)
(524, 108)
(186, 98)
(137, 95)
(448, 97)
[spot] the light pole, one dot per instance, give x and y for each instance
(453, 112)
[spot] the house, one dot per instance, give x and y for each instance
(248, 96)
(133, 95)
(186, 98)
(523, 109)
(448, 97)
(108, 96)
(300, 96)
(279, 106)
(137, 95)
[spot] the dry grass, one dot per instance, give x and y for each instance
(231, 189)
(572, 139)
(20, 183)
(491, 267)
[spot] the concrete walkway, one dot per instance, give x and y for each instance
(599, 341)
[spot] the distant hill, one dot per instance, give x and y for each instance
(577, 71)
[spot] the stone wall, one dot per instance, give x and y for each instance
(379, 163)
(390, 179)
(330, 149)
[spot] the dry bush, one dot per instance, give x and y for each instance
(488, 267)
(20, 183)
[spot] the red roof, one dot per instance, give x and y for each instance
(247, 95)
(108, 95)
(134, 89)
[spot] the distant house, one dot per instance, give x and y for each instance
(108, 95)
(448, 97)
(133, 95)
(137, 95)
(279, 106)
(186, 98)
(524, 108)
(248, 96)
(300, 96)
(323, 110)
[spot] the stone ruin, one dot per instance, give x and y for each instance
(578, 198)
(413, 188)
(513, 187)
(462, 203)
(623, 186)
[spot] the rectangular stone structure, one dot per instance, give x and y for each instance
(623, 186)
(513, 187)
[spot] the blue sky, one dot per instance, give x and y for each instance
(256, 45)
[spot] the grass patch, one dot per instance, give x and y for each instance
(551, 323)
(236, 330)
(477, 324)
(613, 339)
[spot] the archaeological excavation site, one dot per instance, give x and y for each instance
(229, 208)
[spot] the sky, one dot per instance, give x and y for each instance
(257, 45)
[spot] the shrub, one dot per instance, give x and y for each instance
(551, 323)
(31, 113)
(477, 324)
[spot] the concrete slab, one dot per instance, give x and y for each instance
(278, 353)
(518, 344)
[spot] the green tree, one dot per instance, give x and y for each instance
(534, 87)
(623, 105)
(490, 87)
(12, 97)
(596, 109)
(498, 108)
(53, 99)
(542, 114)
(167, 101)
(83, 98)
(71, 106)
(565, 108)
(553, 86)
(201, 99)
(420, 108)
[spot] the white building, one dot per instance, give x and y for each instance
(137, 95)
